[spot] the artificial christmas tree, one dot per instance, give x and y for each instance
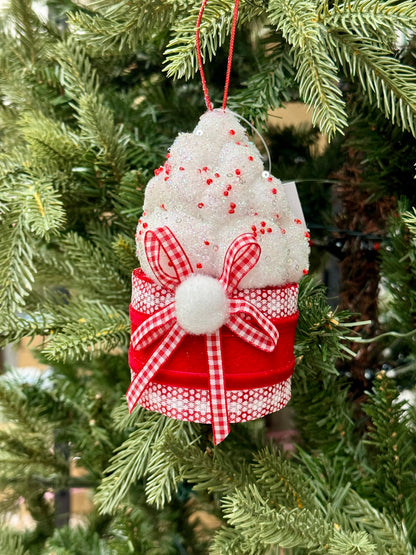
(86, 116)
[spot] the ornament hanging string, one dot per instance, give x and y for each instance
(230, 56)
(228, 73)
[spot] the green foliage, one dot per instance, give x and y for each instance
(316, 71)
(10, 543)
(85, 116)
(143, 454)
(399, 266)
(391, 446)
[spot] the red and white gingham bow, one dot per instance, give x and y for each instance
(242, 255)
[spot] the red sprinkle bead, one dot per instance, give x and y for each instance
(181, 168)
(263, 224)
(140, 232)
(297, 221)
(307, 234)
(237, 172)
(145, 225)
(274, 191)
(199, 265)
(283, 231)
(277, 215)
(250, 158)
(206, 242)
(305, 272)
(225, 193)
(269, 230)
(200, 205)
(270, 179)
(158, 170)
(205, 169)
(231, 132)
(216, 174)
(232, 205)
(229, 187)
(168, 155)
(166, 178)
(262, 231)
(254, 228)
(209, 181)
(231, 211)
(163, 207)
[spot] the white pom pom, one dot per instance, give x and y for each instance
(201, 305)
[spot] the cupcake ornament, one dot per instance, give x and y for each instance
(214, 302)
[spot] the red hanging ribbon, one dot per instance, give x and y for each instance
(241, 257)
(230, 56)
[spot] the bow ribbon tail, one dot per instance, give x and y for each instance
(218, 398)
(158, 358)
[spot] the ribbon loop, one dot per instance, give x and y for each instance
(163, 238)
(242, 255)
(264, 337)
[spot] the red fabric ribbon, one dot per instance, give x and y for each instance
(242, 255)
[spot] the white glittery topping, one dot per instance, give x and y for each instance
(212, 188)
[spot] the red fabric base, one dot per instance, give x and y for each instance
(245, 367)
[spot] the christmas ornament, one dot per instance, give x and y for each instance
(214, 304)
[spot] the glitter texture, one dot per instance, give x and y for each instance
(212, 189)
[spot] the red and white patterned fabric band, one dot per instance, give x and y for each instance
(193, 405)
(275, 302)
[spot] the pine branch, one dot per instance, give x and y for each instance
(125, 250)
(230, 541)
(316, 72)
(392, 448)
(11, 543)
(25, 23)
(120, 27)
(281, 481)
(99, 329)
(51, 144)
(409, 218)
(219, 471)
(131, 460)
(371, 18)
(17, 249)
(260, 524)
(341, 504)
(77, 75)
(91, 273)
(399, 270)
(181, 57)
(97, 126)
(388, 83)
(268, 87)
(128, 200)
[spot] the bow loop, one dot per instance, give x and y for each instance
(162, 238)
(242, 255)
